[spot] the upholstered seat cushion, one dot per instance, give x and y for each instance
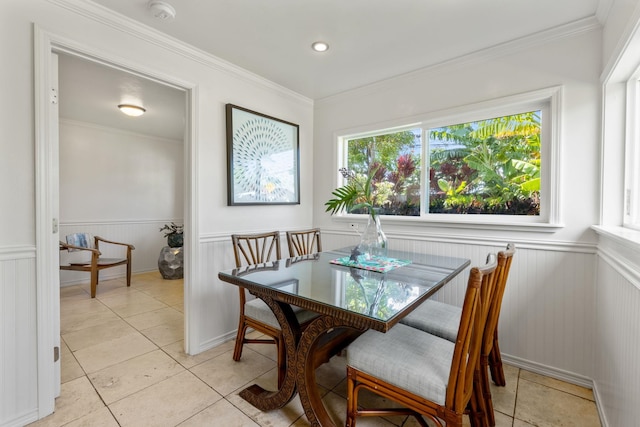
(436, 318)
(405, 357)
(260, 311)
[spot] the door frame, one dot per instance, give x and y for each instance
(47, 194)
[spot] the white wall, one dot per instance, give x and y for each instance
(110, 175)
(621, 19)
(121, 186)
(617, 336)
(548, 312)
(485, 76)
(213, 84)
(617, 333)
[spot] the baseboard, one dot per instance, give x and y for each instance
(548, 371)
(214, 342)
(22, 420)
(596, 396)
(103, 277)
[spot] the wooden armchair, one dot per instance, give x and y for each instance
(443, 320)
(83, 242)
(427, 375)
(253, 249)
(304, 242)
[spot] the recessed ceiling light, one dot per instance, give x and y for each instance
(131, 110)
(319, 46)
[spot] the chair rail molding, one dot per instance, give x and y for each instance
(8, 253)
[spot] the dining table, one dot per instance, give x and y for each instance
(347, 297)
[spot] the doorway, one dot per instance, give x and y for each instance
(47, 215)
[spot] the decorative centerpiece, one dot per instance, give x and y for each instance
(174, 234)
(359, 193)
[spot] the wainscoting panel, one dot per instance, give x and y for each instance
(144, 235)
(617, 342)
(18, 337)
(547, 316)
(218, 302)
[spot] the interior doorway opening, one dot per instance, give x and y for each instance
(47, 194)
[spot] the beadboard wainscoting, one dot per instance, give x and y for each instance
(548, 314)
(18, 336)
(217, 317)
(617, 333)
(144, 235)
(547, 319)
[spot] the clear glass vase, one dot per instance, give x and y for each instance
(373, 242)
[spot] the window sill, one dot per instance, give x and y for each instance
(622, 235)
(468, 222)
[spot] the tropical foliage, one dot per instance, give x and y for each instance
(489, 167)
(384, 172)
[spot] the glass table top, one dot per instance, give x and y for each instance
(378, 296)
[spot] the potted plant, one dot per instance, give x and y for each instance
(174, 234)
(359, 192)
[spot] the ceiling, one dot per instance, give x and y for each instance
(91, 92)
(370, 40)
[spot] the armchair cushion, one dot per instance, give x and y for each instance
(407, 358)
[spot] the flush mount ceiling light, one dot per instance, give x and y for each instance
(320, 46)
(161, 10)
(131, 110)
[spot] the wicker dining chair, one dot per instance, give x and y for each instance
(304, 242)
(253, 249)
(427, 375)
(442, 320)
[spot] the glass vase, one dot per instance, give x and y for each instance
(373, 242)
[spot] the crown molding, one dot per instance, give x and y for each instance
(602, 11)
(571, 29)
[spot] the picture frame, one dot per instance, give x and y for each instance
(263, 159)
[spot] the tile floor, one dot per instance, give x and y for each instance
(123, 365)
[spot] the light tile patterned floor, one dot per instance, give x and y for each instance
(123, 365)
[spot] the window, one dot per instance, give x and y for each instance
(487, 166)
(491, 162)
(394, 158)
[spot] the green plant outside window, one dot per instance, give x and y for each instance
(488, 166)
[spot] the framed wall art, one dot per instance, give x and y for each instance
(263, 159)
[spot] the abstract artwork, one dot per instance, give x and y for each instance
(262, 159)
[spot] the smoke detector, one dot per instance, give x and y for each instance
(161, 10)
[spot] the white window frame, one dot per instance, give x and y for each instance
(547, 100)
(631, 208)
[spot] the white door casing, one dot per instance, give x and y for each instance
(47, 195)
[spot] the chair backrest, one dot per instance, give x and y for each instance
(251, 249)
(304, 242)
(469, 340)
(504, 265)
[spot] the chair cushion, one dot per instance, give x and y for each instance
(436, 318)
(260, 311)
(405, 357)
